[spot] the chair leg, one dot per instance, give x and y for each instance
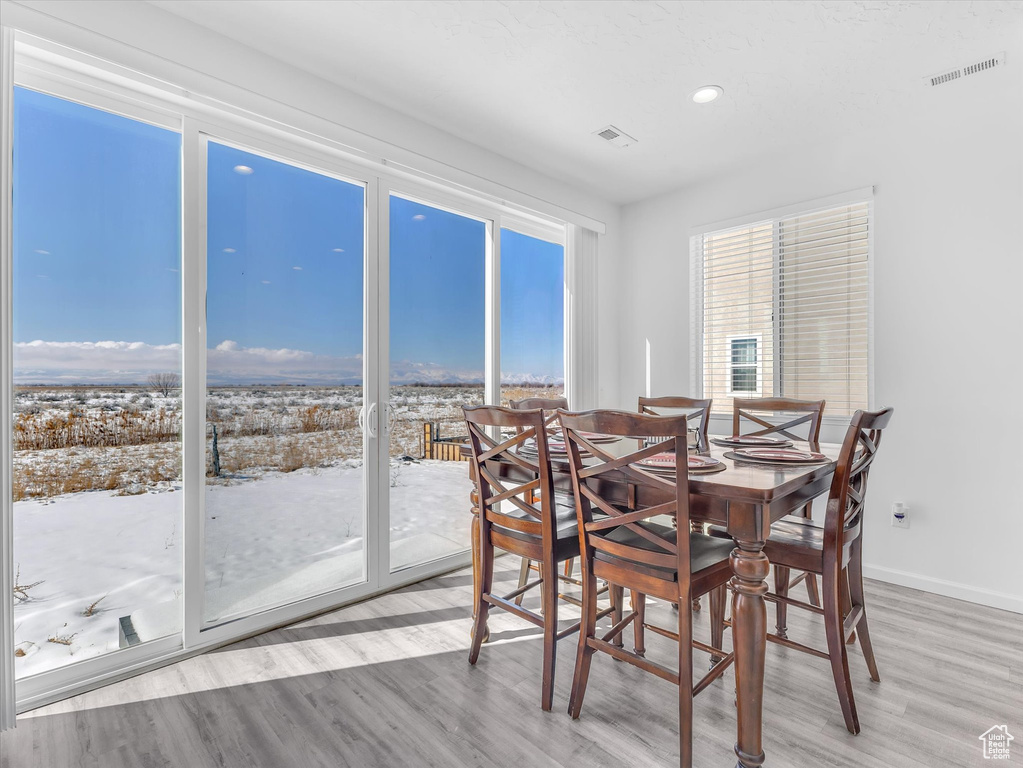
(523, 577)
(638, 630)
(549, 591)
(718, 598)
(811, 579)
(856, 593)
(568, 566)
(587, 630)
(617, 604)
(685, 688)
(845, 601)
(781, 586)
(811, 589)
(486, 583)
(833, 621)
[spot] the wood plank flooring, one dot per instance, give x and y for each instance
(386, 683)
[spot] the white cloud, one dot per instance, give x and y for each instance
(113, 362)
(231, 363)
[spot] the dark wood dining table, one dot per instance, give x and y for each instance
(746, 499)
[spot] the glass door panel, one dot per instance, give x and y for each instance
(97, 372)
(532, 317)
(285, 510)
(437, 347)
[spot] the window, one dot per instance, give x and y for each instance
(97, 374)
(744, 378)
(782, 307)
(532, 317)
(438, 342)
(232, 347)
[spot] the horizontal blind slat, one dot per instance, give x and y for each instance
(800, 286)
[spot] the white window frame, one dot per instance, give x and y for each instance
(758, 365)
(77, 76)
(830, 423)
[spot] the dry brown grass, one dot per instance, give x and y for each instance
(78, 428)
(283, 454)
(93, 609)
(127, 470)
(59, 639)
(21, 591)
(65, 446)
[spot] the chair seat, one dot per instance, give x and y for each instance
(564, 514)
(798, 532)
(704, 551)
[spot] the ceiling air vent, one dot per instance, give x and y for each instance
(970, 69)
(615, 136)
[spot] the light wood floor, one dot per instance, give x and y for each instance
(386, 683)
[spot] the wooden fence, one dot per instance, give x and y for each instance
(442, 448)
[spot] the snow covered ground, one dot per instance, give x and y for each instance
(99, 556)
(98, 504)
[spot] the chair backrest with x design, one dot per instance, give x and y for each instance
(549, 406)
(527, 450)
(598, 485)
(697, 412)
(844, 519)
(793, 414)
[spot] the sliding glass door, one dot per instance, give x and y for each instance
(437, 348)
(285, 513)
(97, 373)
(239, 366)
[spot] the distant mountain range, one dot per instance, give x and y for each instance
(229, 363)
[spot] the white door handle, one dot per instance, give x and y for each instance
(371, 421)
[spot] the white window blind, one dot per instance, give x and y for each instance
(783, 309)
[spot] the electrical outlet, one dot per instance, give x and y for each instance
(900, 515)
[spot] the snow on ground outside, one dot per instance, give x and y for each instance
(269, 540)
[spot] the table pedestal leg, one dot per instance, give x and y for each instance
(749, 637)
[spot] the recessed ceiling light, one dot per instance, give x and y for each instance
(339, 250)
(244, 170)
(418, 217)
(229, 250)
(706, 93)
(41, 252)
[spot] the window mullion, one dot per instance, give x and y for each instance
(492, 311)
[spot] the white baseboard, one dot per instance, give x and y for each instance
(1002, 600)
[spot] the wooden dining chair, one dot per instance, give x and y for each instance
(760, 416)
(620, 541)
(514, 519)
(549, 406)
(780, 416)
(696, 410)
(835, 551)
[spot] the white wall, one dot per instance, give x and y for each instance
(948, 178)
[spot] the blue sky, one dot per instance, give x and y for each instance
(97, 266)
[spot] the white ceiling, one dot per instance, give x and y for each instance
(533, 80)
